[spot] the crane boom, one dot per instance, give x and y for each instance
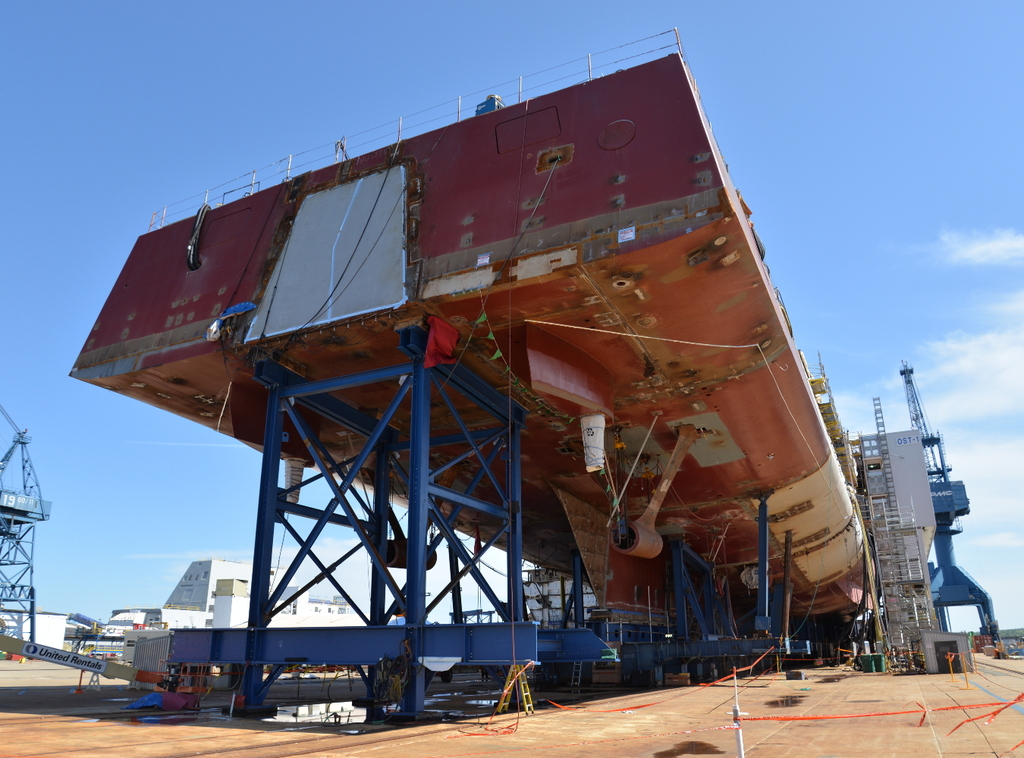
(9, 419)
(934, 454)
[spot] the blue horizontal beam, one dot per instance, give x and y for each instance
(641, 656)
(283, 506)
(273, 374)
(449, 439)
(285, 379)
(413, 342)
(483, 644)
(467, 500)
(571, 645)
(484, 395)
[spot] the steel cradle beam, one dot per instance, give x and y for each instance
(363, 645)
(483, 644)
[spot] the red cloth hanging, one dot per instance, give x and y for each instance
(441, 341)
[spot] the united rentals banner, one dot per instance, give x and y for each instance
(63, 657)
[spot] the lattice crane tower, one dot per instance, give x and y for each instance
(951, 585)
(21, 508)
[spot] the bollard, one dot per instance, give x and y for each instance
(736, 716)
(739, 731)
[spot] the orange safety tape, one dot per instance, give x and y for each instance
(587, 742)
(490, 731)
(992, 715)
(658, 702)
(1000, 708)
(1012, 749)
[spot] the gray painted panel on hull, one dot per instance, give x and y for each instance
(345, 256)
(715, 445)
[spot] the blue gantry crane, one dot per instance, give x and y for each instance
(21, 508)
(951, 585)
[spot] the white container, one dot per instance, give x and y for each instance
(593, 440)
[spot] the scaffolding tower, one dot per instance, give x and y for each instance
(827, 408)
(903, 575)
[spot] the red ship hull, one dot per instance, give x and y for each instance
(591, 252)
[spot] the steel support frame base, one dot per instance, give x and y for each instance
(649, 656)
(416, 388)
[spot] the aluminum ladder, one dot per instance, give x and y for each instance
(516, 680)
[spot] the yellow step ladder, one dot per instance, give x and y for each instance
(516, 679)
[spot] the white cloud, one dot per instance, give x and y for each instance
(187, 556)
(976, 376)
(1013, 306)
(997, 246)
(999, 539)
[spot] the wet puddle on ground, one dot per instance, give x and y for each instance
(435, 701)
(786, 701)
(175, 719)
(692, 747)
(318, 714)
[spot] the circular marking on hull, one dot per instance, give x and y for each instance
(617, 134)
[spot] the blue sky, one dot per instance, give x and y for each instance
(877, 143)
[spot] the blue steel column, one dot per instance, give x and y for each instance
(456, 592)
(763, 620)
(259, 587)
(31, 606)
(678, 567)
(577, 589)
(378, 594)
(514, 486)
(381, 506)
(416, 531)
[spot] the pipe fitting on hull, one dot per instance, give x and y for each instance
(642, 541)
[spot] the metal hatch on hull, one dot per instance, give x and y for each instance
(345, 257)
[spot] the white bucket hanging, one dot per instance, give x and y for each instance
(593, 441)
(293, 473)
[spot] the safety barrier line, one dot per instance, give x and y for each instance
(738, 718)
(491, 731)
(991, 716)
(730, 727)
(1000, 707)
(921, 710)
(659, 702)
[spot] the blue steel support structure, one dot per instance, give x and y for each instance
(574, 610)
(433, 510)
(577, 589)
(762, 619)
(697, 601)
